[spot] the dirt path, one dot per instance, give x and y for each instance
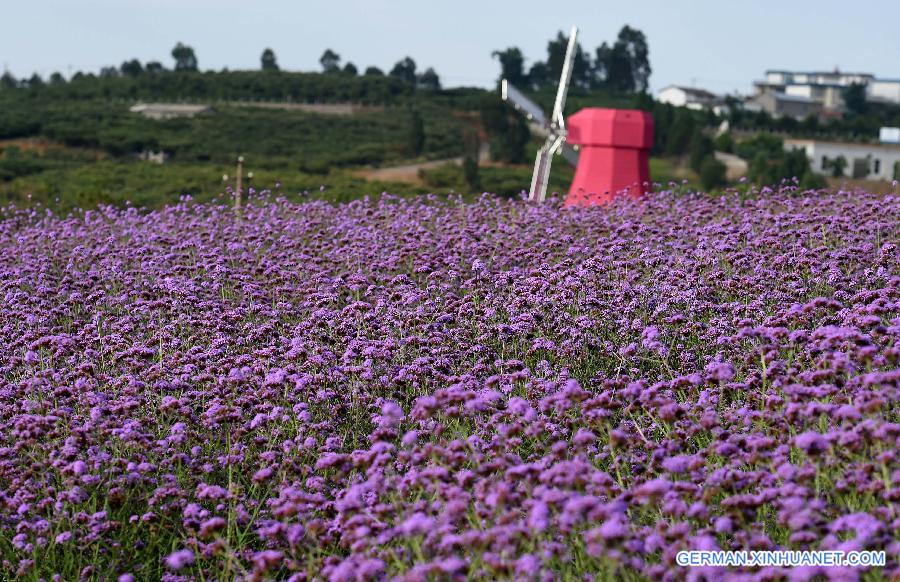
(409, 173)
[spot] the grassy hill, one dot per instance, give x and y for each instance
(76, 144)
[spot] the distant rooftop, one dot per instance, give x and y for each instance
(768, 84)
(167, 110)
(794, 98)
(847, 73)
(692, 91)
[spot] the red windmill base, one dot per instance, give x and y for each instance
(613, 147)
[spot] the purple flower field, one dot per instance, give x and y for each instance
(438, 390)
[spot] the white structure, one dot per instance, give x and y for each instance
(884, 90)
(779, 104)
(815, 88)
(826, 88)
(168, 110)
(555, 126)
(690, 97)
(863, 161)
(889, 135)
(783, 78)
(828, 96)
(735, 167)
(159, 157)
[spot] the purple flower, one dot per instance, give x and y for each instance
(417, 524)
(677, 464)
(811, 442)
(584, 437)
(179, 559)
(613, 529)
(63, 537)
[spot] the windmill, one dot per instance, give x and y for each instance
(553, 128)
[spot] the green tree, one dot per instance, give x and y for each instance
(57, 79)
(268, 61)
(837, 166)
(793, 164)
(405, 70)
(770, 145)
(154, 67)
(700, 149)
(633, 44)
(724, 142)
(470, 173)
(812, 181)
(35, 81)
(810, 124)
(512, 66)
(429, 80)
(373, 72)
(712, 173)
(416, 134)
(602, 62)
(185, 59)
(350, 70)
(539, 75)
(507, 131)
(556, 56)
(131, 68)
(855, 99)
(681, 132)
(760, 170)
(330, 61)
(7, 81)
(625, 66)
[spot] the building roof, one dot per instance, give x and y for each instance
(173, 108)
(692, 91)
(849, 144)
(823, 73)
(795, 84)
(785, 97)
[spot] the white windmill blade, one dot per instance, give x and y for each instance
(557, 116)
(542, 165)
(541, 174)
(521, 103)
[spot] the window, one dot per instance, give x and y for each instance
(876, 167)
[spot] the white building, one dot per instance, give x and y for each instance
(829, 96)
(168, 110)
(889, 135)
(863, 161)
(778, 104)
(690, 97)
(782, 79)
(884, 90)
(827, 88)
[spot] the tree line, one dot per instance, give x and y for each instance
(185, 61)
(623, 67)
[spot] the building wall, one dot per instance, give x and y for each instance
(886, 90)
(673, 95)
(797, 109)
(881, 159)
(799, 90)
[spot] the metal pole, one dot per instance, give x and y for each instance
(237, 192)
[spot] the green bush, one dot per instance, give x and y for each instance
(712, 173)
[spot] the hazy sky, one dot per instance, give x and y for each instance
(719, 45)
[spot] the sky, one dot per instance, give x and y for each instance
(722, 45)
